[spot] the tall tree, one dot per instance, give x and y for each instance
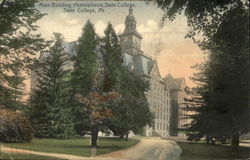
(50, 109)
(17, 43)
(229, 66)
(97, 107)
(131, 111)
(199, 107)
(222, 29)
(84, 76)
(112, 59)
(86, 60)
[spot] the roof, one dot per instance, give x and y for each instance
(174, 83)
(180, 81)
(70, 47)
(141, 63)
(130, 16)
(151, 65)
(170, 82)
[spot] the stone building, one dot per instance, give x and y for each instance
(176, 86)
(165, 96)
(159, 98)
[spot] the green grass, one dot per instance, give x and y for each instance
(202, 151)
(11, 156)
(79, 147)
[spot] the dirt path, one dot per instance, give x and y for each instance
(57, 155)
(147, 149)
(153, 149)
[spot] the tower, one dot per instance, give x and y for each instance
(130, 39)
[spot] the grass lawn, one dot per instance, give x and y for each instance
(202, 151)
(11, 156)
(79, 147)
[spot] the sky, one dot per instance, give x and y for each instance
(165, 43)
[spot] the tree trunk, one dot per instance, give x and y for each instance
(121, 135)
(127, 137)
(213, 141)
(207, 139)
(94, 137)
(235, 144)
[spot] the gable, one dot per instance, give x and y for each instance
(155, 70)
(180, 82)
(170, 82)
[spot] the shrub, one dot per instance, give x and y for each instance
(14, 127)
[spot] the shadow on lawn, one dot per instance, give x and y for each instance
(199, 151)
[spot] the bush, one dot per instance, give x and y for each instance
(14, 127)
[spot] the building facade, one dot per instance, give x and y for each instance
(176, 87)
(166, 95)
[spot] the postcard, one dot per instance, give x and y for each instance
(124, 80)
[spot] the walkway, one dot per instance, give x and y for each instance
(147, 149)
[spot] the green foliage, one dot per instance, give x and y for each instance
(17, 44)
(85, 61)
(113, 59)
(222, 29)
(204, 17)
(84, 74)
(205, 122)
(50, 105)
(131, 112)
(228, 72)
(14, 127)
(224, 79)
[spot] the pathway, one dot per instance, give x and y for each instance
(147, 149)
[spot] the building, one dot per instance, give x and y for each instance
(178, 120)
(165, 96)
(158, 96)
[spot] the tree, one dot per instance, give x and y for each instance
(17, 44)
(222, 29)
(86, 61)
(200, 109)
(50, 109)
(131, 111)
(112, 59)
(97, 107)
(15, 127)
(85, 78)
(229, 63)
